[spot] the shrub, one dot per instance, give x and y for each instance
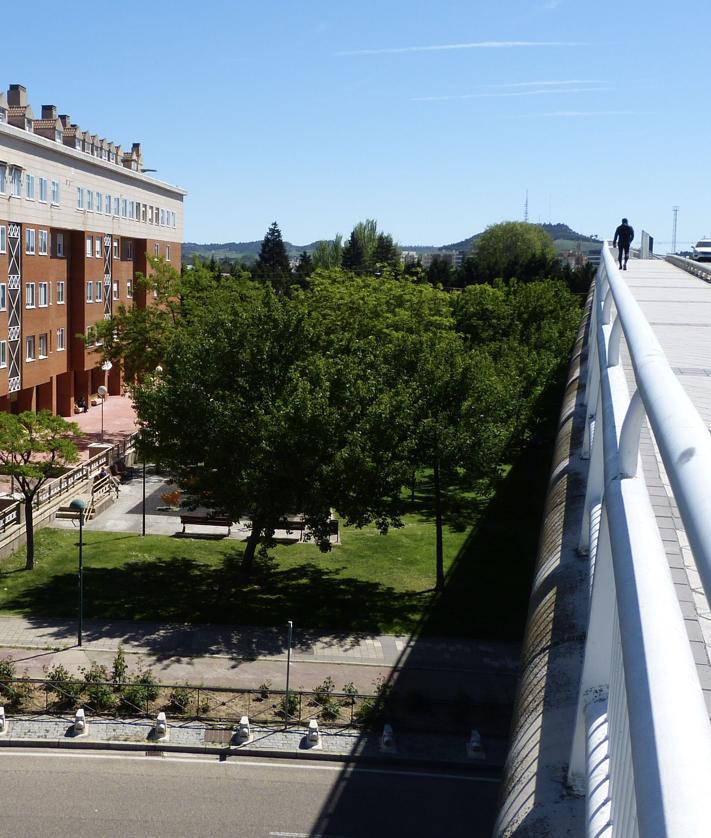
(14, 691)
(289, 708)
(99, 692)
(351, 693)
(119, 668)
(322, 693)
(140, 693)
(264, 688)
(329, 709)
(179, 700)
(66, 689)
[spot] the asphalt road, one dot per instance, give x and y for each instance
(52, 793)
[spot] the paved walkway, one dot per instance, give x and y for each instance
(678, 307)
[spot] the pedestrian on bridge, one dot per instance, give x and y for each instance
(623, 239)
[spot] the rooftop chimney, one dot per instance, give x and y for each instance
(65, 119)
(49, 112)
(17, 96)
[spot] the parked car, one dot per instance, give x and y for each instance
(701, 251)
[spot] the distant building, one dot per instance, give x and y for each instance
(78, 221)
(453, 258)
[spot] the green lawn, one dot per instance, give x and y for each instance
(369, 582)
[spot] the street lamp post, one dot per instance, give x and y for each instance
(79, 505)
(102, 391)
(288, 669)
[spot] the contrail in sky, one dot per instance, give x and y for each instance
(473, 45)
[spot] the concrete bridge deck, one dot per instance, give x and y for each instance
(678, 307)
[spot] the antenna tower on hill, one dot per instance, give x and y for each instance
(525, 208)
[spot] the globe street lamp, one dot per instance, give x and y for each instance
(79, 505)
(102, 391)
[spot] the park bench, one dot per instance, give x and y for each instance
(206, 520)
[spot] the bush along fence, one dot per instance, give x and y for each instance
(113, 692)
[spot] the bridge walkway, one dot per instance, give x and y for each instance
(678, 307)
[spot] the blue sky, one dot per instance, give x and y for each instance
(433, 117)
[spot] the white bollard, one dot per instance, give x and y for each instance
(313, 737)
(3, 720)
(80, 728)
(161, 728)
(244, 734)
(387, 740)
(474, 749)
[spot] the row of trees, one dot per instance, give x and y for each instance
(332, 395)
(504, 251)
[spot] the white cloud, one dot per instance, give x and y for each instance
(544, 92)
(474, 45)
(576, 114)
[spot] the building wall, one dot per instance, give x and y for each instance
(76, 264)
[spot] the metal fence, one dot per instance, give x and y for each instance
(642, 749)
(144, 696)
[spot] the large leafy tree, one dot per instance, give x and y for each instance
(514, 249)
(35, 448)
(273, 262)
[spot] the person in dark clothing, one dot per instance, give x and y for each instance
(623, 239)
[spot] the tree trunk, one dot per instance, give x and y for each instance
(249, 550)
(439, 586)
(30, 535)
(413, 485)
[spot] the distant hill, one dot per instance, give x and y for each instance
(564, 237)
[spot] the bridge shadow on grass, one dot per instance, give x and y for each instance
(185, 607)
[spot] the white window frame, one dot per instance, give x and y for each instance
(97, 247)
(29, 186)
(43, 296)
(115, 290)
(167, 253)
(30, 241)
(99, 202)
(156, 250)
(129, 289)
(55, 192)
(116, 249)
(59, 244)
(30, 348)
(89, 246)
(3, 354)
(98, 292)
(80, 197)
(90, 200)
(108, 203)
(40, 353)
(30, 295)
(60, 339)
(43, 236)
(3, 239)
(3, 175)
(15, 183)
(90, 292)
(60, 292)
(43, 190)
(3, 296)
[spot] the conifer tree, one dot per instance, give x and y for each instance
(273, 262)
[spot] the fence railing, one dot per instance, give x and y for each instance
(642, 747)
(144, 697)
(698, 269)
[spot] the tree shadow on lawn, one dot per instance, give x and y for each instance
(191, 608)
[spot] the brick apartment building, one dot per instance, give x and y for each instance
(78, 219)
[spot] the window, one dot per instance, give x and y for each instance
(30, 295)
(43, 345)
(89, 200)
(162, 218)
(99, 202)
(60, 292)
(89, 246)
(116, 206)
(30, 348)
(90, 335)
(60, 340)
(3, 296)
(167, 252)
(156, 250)
(97, 292)
(90, 292)
(80, 198)
(43, 295)
(129, 289)
(143, 212)
(59, 244)
(43, 242)
(15, 183)
(3, 239)
(29, 240)
(3, 353)
(128, 249)
(116, 249)
(108, 204)
(131, 209)
(43, 189)
(55, 191)
(3, 169)
(150, 215)
(97, 249)
(155, 215)
(124, 208)
(115, 290)
(29, 187)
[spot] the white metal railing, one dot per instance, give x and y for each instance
(642, 746)
(700, 269)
